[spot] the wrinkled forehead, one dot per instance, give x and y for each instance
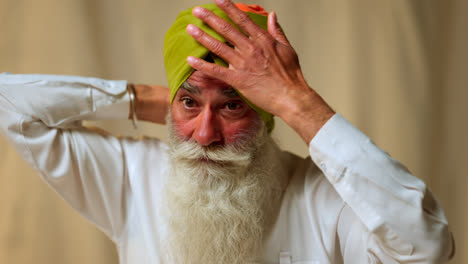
(199, 81)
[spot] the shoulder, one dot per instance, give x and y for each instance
(145, 153)
(308, 184)
(144, 144)
(147, 162)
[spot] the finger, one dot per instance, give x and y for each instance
(211, 69)
(224, 28)
(242, 20)
(275, 30)
(217, 47)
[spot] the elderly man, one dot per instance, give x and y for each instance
(221, 191)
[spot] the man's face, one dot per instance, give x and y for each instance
(223, 186)
(210, 112)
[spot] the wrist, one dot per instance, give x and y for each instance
(306, 113)
(151, 103)
(132, 111)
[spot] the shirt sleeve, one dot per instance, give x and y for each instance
(40, 115)
(396, 216)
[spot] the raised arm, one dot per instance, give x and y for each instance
(151, 103)
(402, 219)
(40, 115)
(263, 67)
(390, 215)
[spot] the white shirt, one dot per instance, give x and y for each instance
(357, 205)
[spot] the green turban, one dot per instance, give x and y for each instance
(178, 45)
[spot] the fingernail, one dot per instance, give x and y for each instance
(191, 60)
(273, 17)
(197, 10)
(220, 2)
(193, 30)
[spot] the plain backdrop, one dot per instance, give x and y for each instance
(397, 69)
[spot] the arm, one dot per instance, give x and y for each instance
(40, 115)
(403, 219)
(151, 103)
(263, 67)
(392, 215)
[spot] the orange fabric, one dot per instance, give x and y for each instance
(256, 9)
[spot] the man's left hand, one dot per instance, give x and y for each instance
(263, 67)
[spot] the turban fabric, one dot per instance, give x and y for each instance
(178, 45)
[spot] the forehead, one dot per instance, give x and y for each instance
(202, 82)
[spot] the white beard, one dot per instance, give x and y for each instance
(218, 210)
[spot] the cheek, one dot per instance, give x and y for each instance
(232, 131)
(183, 127)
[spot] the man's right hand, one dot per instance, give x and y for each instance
(151, 103)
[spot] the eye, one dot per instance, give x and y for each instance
(232, 106)
(188, 102)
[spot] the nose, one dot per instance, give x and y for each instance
(207, 129)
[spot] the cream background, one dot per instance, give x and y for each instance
(397, 69)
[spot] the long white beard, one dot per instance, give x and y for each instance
(218, 209)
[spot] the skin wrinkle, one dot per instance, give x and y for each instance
(229, 93)
(242, 136)
(211, 117)
(219, 211)
(248, 72)
(225, 184)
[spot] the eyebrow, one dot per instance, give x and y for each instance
(230, 92)
(190, 88)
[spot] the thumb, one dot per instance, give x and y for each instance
(275, 30)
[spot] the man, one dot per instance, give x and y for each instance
(221, 191)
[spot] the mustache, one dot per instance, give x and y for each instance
(191, 151)
(247, 143)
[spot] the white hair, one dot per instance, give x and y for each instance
(219, 199)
